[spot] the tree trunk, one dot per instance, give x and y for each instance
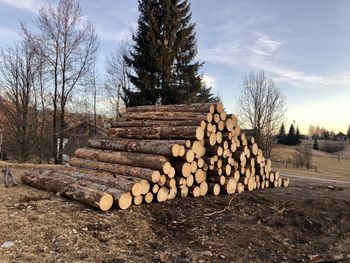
(119, 123)
(194, 107)
(138, 172)
(163, 147)
(163, 132)
(68, 188)
(164, 116)
(151, 161)
(126, 183)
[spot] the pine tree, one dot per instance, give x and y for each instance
(144, 59)
(291, 136)
(315, 146)
(163, 56)
(282, 135)
(297, 137)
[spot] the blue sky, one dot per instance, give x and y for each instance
(303, 45)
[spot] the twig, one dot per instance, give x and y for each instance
(223, 210)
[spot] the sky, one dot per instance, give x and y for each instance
(304, 46)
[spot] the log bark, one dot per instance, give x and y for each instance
(138, 172)
(165, 132)
(163, 116)
(70, 189)
(193, 107)
(126, 183)
(151, 161)
(163, 147)
(120, 123)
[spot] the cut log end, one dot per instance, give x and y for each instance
(175, 150)
(137, 189)
(167, 168)
(149, 197)
(231, 186)
(125, 201)
(199, 133)
(162, 194)
(106, 202)
(138, 200)
(155, 177)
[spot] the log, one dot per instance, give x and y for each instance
(193, 107)
(163, 147)
(219, 107)
(138, 200)
(165, 132)
(122, 122)
(162, 194)
(92, 197)
(216, 179)
(183, 192)
(230, 186)
(151, 161)
(148, 197)
(195, 191)
(200, 176)
(183, 169)
(214, 189)
(172, 193)
(126, 183)
(240, 187)
(181, 181)
(155, 188)
(139, 172)
(203, 188)
(162, 180)
(89, 196)
(164, 115)
(189, 180)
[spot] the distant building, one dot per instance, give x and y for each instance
(78, 136)
(340, 137)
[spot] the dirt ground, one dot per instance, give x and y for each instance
(307, 222)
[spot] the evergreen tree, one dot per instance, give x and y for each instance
(348, 133)
(282, 135)
(144, 59)
(315, 146)
(291, 136)
(297, 137)
(163, 56)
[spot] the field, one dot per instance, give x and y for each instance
(309, 221)
(328, 165)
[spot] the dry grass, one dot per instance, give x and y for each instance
(328, 166)
(294, 224)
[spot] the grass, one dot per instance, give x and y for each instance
(328, 165)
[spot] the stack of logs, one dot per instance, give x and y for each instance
(160, 152)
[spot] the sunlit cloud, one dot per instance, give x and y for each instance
(209, 80)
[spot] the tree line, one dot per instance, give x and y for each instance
(56, 62)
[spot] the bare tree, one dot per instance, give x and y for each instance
(261, 107)
(117, 77)
(18, 101)
(68, 44)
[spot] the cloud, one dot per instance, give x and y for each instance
(28, 5)
(263, 52)
(209, 81)
(114, 35)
